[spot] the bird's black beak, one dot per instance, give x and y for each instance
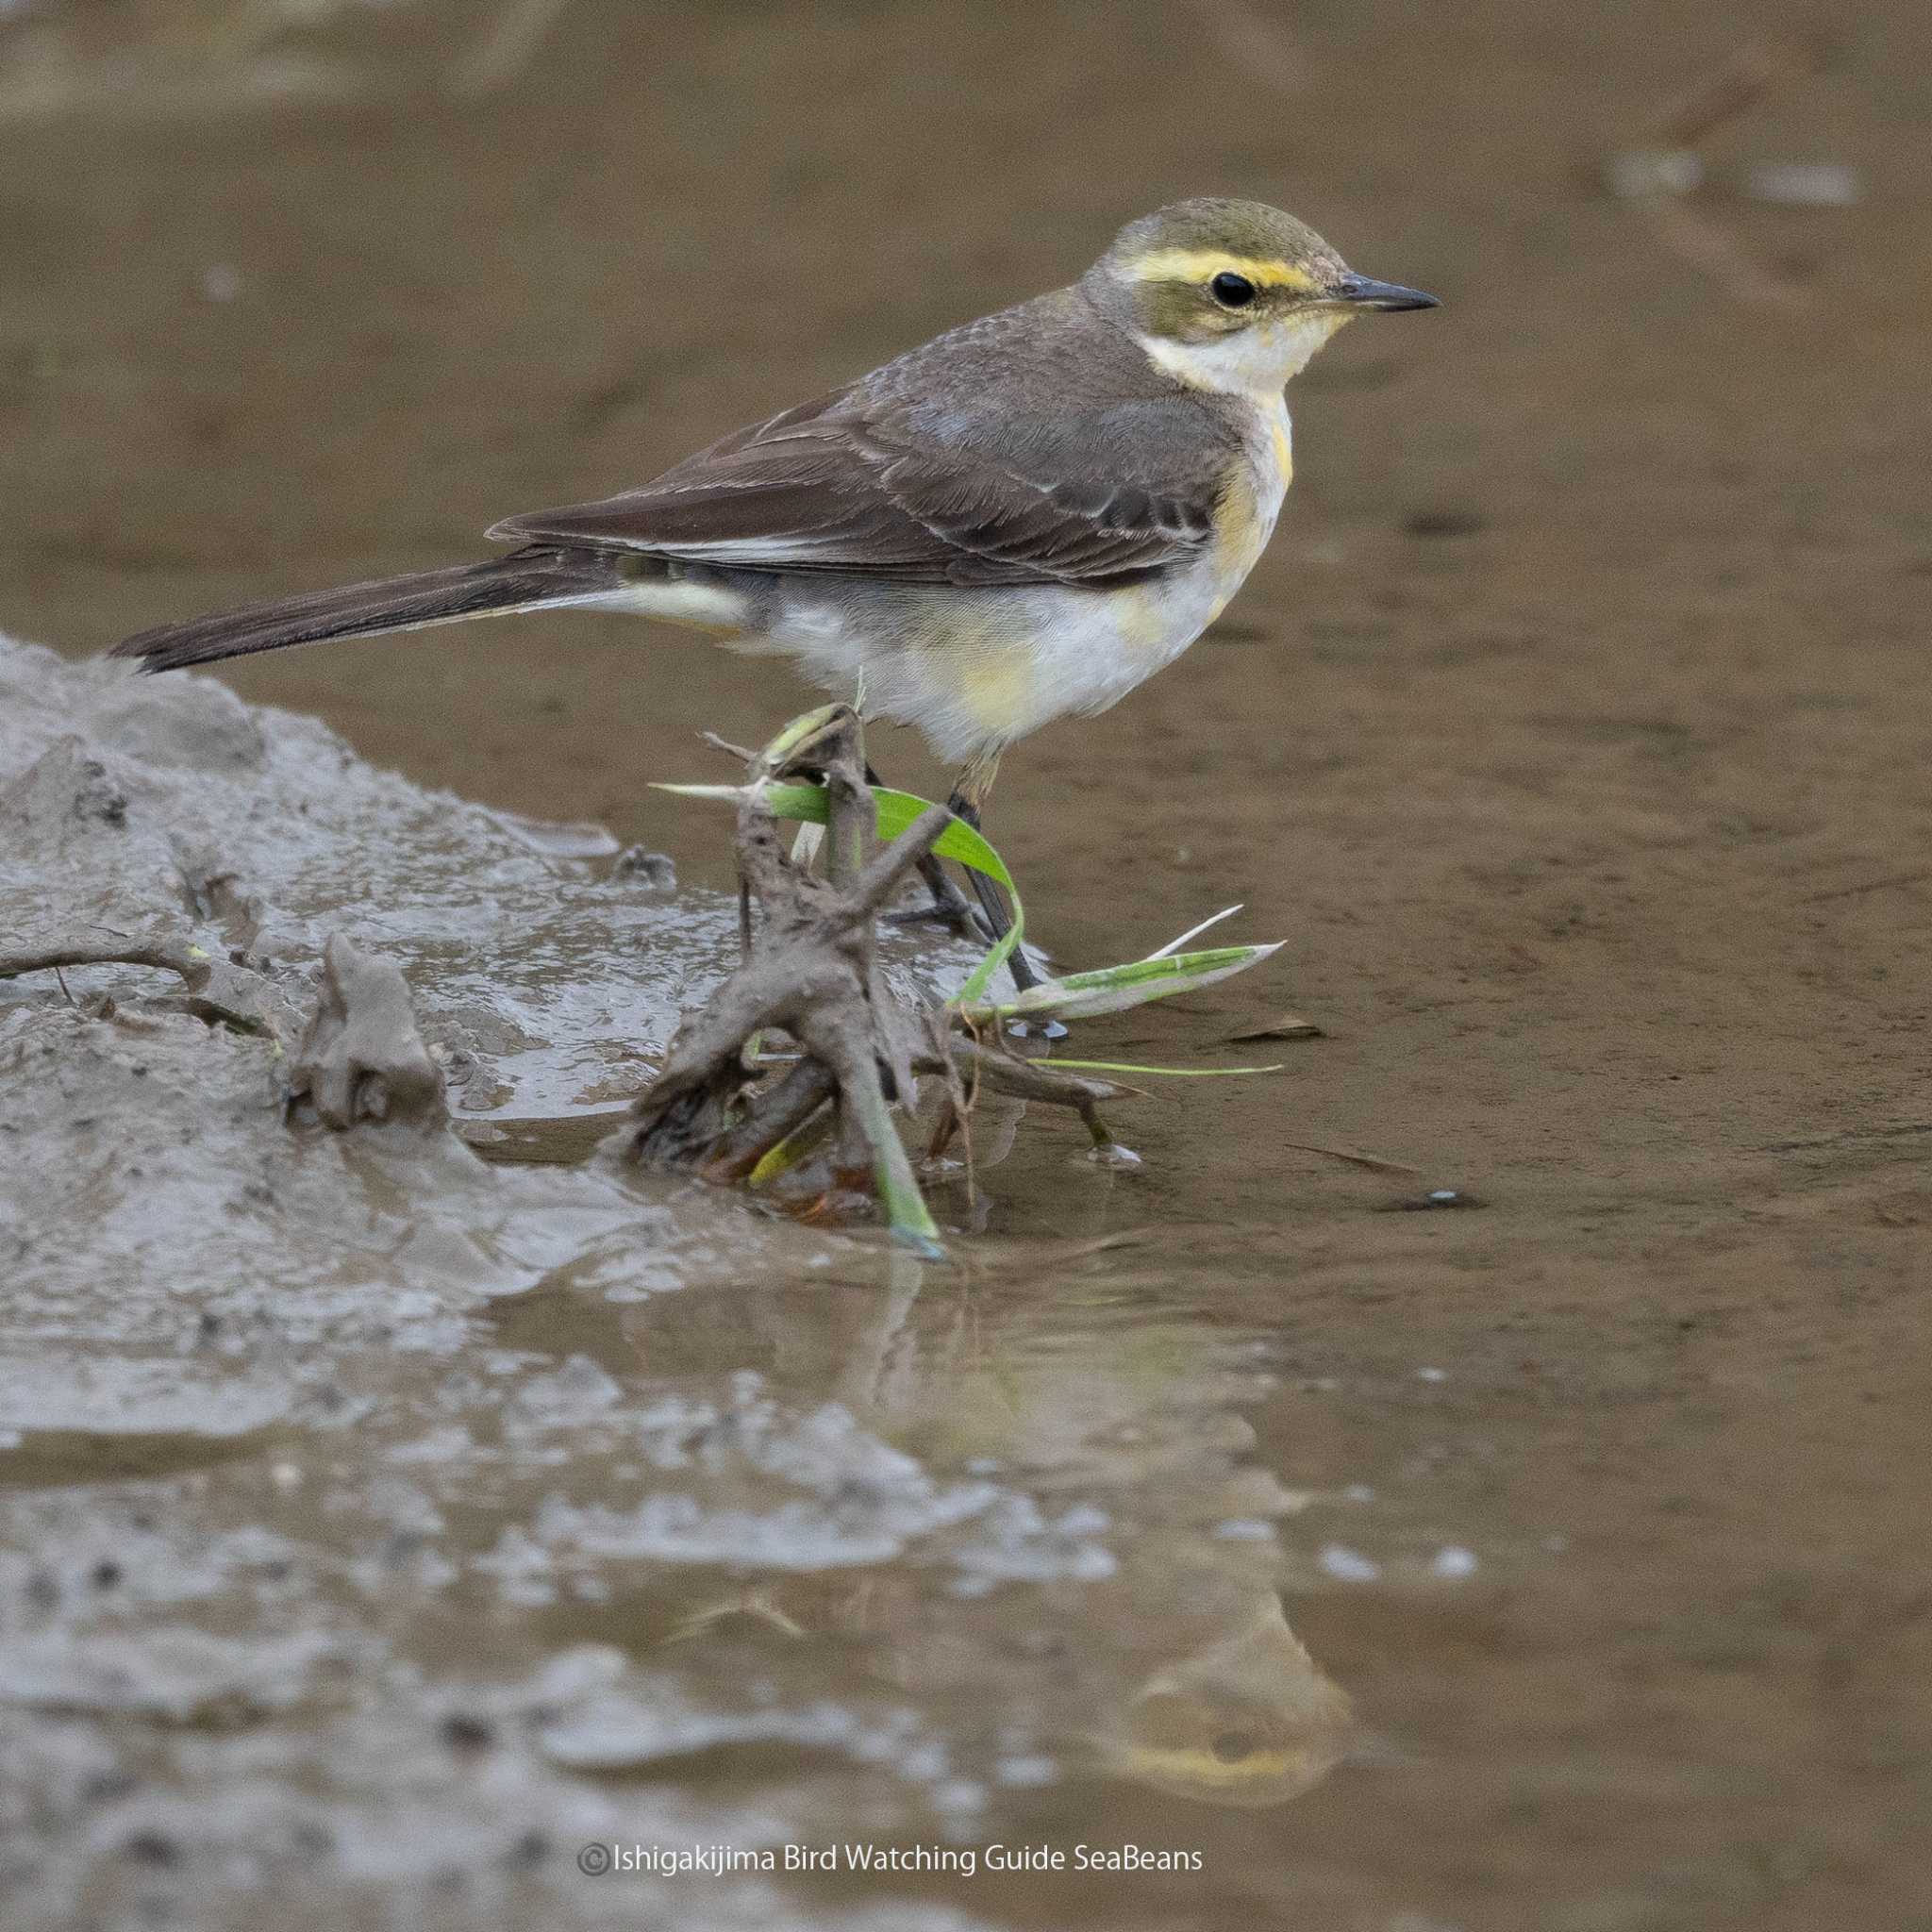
(1363, 291)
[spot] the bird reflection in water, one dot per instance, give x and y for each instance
(1250, 1720)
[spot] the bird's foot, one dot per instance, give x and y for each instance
(947, 907)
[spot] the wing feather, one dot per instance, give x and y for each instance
(836, 486)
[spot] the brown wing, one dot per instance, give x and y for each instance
(837, 486)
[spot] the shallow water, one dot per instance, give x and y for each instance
(1573, 735)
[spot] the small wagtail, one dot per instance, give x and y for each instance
(1024, 519)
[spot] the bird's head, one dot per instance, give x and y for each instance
(1233, 294)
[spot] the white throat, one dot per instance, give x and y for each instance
(1258, 363)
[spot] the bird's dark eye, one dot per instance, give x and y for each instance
(1232, 291)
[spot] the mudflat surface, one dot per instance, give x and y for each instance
(1573, 733)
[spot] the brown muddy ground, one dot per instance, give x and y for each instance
(1573, 733)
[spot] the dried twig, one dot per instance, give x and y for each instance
(1374, 1162)
(1700, 241)
(217, 990)
(1752, 74)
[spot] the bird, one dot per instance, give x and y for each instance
(1019, 521)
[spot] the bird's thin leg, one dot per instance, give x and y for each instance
(950, 906)
(969, 796)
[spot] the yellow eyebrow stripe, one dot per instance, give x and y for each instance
(1204, 264)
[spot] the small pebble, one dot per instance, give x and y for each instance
(1454, 1562)
(1435, 1200)
(1444, 523)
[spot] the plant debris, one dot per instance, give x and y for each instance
(819, 1127)
(217, 990)
(1284, 1026)
(1660, 175)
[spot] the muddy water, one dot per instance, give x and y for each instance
(1573, 734)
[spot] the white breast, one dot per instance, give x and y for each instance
(975, 669)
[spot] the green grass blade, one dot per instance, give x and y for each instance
(896, 810)
(1176, 1073)
(1115, 989)
(788, 1152)
(898, 1187)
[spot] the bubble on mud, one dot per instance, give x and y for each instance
(760, 1486)
(1346, 1565)
(678, 1528)
(861, 1502)
(119, 1397)
(559, 1684)
(182, 1675)
(1014, 1543)
(628, 1729)
(579, 1393)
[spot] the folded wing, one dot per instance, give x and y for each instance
(835, 487)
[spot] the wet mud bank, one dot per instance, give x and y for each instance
(411, 1537)
(365, 1529)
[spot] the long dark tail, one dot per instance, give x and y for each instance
(526, 579)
